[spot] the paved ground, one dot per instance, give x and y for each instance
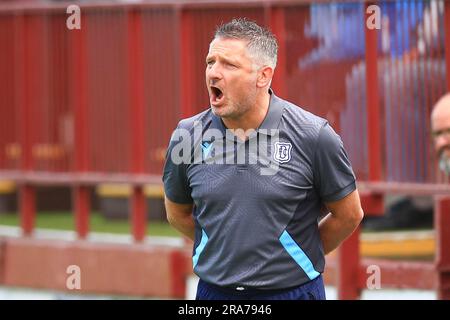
(7, 293)
(382, 294)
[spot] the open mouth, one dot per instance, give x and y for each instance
(216, 94)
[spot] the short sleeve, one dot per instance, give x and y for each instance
(333, 175)
(176, 184)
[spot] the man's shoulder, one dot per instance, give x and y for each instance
(302, 120)
(201, 118)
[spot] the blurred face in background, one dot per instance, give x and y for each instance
(231, 78)
(440, 123)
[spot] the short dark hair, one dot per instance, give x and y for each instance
(262, 44)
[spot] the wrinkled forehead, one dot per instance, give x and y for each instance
(229, 47)
(440, 118)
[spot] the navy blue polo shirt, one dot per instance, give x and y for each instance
(256, 209)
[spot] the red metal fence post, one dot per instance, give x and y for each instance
(442, 204)
(81, 201)
(185, 52)
(349, 257)
(81, 195)
(442, 260)
(372, 203)
(137, 116)
(348, 268)
(373, 103)
(26, 96)
(27, 198)
(447, 42)
(276, 22)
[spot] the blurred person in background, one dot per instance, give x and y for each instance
(258, 236)
(440, 126)
(417, 212)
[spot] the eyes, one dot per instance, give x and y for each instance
(226, 64)
(444, 132)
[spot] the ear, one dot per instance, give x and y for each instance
(265, 75)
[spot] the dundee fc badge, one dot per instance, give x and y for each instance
(282, 152)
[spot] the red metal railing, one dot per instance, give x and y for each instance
(83, 107)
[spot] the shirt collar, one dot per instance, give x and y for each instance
(270, 122)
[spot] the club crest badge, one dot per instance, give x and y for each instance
(282, 152)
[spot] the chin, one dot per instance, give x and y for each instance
(220, 111)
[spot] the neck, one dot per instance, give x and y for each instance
(253, 118)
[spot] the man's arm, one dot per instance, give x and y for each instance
(180, 217)
(345, 215)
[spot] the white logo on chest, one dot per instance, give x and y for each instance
(282, 152)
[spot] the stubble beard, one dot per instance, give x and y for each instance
(232, 111)
(444, 163)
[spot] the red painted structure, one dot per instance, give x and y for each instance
(96, 105)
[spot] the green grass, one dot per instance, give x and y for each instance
(65, 221)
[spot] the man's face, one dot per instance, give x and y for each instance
(441, 133)
(230, 78)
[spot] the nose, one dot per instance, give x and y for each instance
(213, 72)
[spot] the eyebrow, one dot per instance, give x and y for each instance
(436, 133)
(208, 58)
